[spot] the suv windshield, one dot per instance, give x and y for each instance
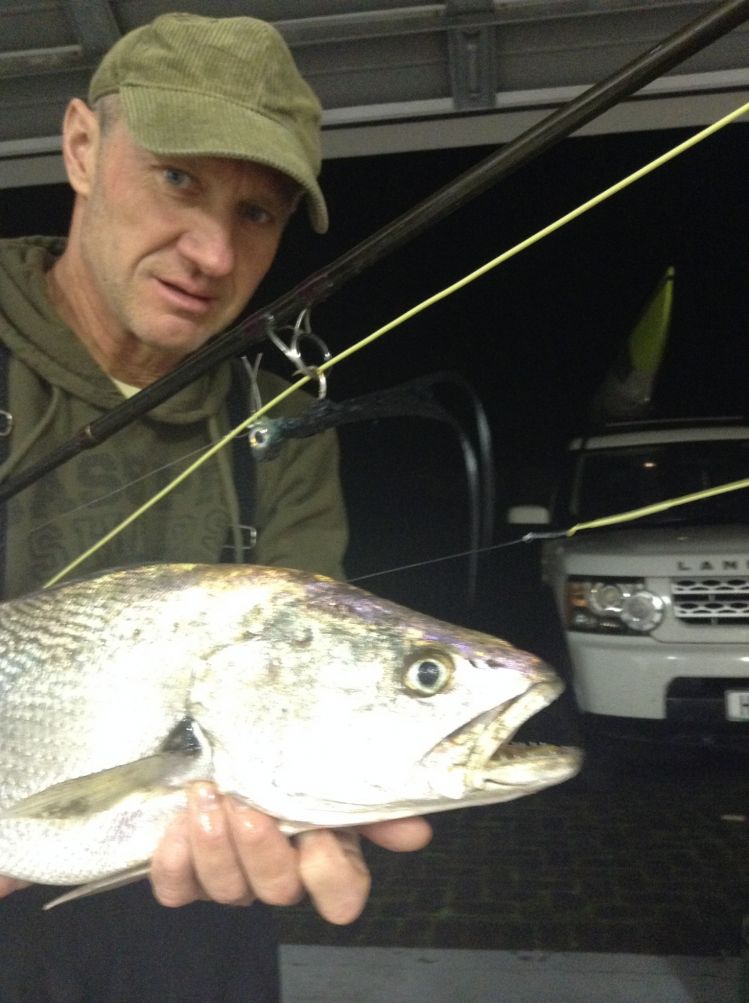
(608, 481)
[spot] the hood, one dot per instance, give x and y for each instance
(32, 330)
(660, 550)
(681, 540)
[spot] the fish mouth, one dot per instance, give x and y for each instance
(484, 752)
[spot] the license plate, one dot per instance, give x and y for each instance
(737, 705)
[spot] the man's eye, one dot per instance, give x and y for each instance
(254, 213)
(176, 178)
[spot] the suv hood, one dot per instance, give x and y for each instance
(667, 551)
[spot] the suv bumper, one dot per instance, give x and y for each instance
(640, 678)
(625, 735)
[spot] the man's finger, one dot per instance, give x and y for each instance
(400, 835)
(172, 875)
(214, 860)
(268, 860)
(334, 873)
(8, 885)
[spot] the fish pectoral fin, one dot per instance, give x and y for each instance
(111, 881)
(84, 796)
(95, 792)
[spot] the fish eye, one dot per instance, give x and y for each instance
(428, 673)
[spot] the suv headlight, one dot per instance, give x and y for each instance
(612, 606)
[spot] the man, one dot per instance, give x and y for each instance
(199, 141)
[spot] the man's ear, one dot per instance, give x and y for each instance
(80, 144)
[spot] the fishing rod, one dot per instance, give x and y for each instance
(259, 430)
(321, 284)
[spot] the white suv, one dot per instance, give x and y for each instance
(655, 612)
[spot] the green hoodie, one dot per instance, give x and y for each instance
(55, 389)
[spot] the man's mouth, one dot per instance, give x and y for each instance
(185, 297)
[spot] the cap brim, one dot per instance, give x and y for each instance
(177, 122)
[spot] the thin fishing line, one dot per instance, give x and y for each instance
(117, 491)
(402, 318)
(444, 557)
(534, 536)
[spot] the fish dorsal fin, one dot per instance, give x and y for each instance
(95, 792)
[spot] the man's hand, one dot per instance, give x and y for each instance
(222, 850)
(8, 885)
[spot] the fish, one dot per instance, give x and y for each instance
(310, 699)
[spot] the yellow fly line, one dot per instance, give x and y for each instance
(420, 308)
(639, 513)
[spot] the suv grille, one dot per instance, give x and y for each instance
(711, 600)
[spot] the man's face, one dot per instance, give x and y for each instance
(174, 247)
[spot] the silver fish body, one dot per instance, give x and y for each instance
(312, 700)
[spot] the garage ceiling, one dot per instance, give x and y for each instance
(392, 75)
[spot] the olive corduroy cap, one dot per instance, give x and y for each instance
(224, 87)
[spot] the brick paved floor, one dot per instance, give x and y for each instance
(631, 859)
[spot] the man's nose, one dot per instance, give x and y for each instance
(209, 244)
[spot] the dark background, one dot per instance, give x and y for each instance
(618, 859)
(534, 337)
